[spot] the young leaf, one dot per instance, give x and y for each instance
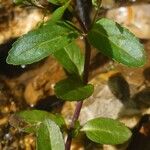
(57, 2)
(32, 118)
(41, 42)
(18, 1)
(96, 3)
(117, 43)
(58, 13)
(71, 58)
(73, 89)
(49, 136)
(76, 129)
(106, 131)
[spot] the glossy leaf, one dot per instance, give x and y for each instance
(72, 89)
(106, 131)
(58, 13)
(32, 118)
(49, 136)
(41, 42)
(71, 58)
(117, 43)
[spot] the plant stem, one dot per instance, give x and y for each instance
(79, 104)
(96, 14)
(84, 21)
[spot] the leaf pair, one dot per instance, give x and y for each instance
(46, 128)
(107, 36)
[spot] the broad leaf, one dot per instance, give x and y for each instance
(71, 58)
(117, 43)
(41, 42)
(31, 119)
(106, 131)
(49, 136)
(72, 89)
(58, 13)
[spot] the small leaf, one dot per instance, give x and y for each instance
(18, 1)
(57, 2)
(76, 129)
(117, 43)
(58, 13)
(49, 136)
(96, 3)
(41, 42)
(71, 58)
(73, 89)
(30, 119)
(106, 131)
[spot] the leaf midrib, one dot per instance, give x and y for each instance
(39, 45)
(72, 61)
(77, 89)
(114, 43)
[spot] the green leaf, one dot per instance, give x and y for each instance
(106, 131)
(32, 119)
(73, 89)
(76, 129)
(41, 42)
(71, 58)
(96, 3)
(58, 13)
(49, 136)
(18, 1)
(117, 43)
(57, 2)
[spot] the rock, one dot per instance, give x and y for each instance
(41, 85)
(112, 101)
(16, 21)
(108, 4)
(134, 18)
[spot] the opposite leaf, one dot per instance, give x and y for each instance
(18, 1)
(57, 2)
(29, 120)
(96, 3)
(106, 131)
(49, 136)
(73, 89)
(58, 13)
(117, 43)
(41, 42)
(71, 58)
